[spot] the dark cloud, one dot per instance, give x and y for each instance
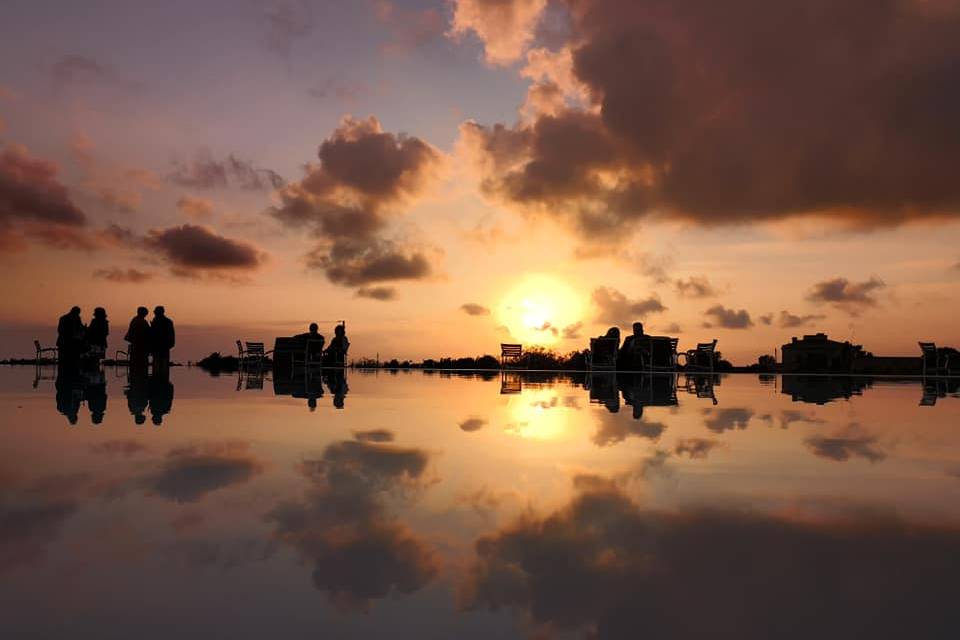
(192, 247)
(614, 428)
(374, 435)
(743, 111)
(615, 308)
(791, 321)
(187, 474)
(852, 297)
(789, 416)
(727, 419)
(472, 424)
(30, 192)
(116, 274)
(364, 174)
(284, 22)
(359, 552)
(377, 293)
(205, 172)
(695, 448)
(474, 309)
(603, 566)
(727, 318)
(694, 287)
(766, 319)
(572, 331)
(849, 443)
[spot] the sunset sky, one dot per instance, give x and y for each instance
(449, 175)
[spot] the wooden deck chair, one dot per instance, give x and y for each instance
(511, 356)
(253, 352)
(703, 358)
(43, 350)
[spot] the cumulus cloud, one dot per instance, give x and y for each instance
(116, 274)
(359, 552)
(614, 428)
(613, 307)
(187, 474)
(687, 122)
(505, 27)
(851, 297)
(572, 331)
(206, 172)
(605, 566)
(719, 420)
(198, 248)
(474, 309)
(196, 208)
(694, 287)
(695, 448)
(377, 293)
(849, 443)
(725, 318)
(790, 321)
(364, 174)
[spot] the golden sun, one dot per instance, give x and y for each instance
(538, 309)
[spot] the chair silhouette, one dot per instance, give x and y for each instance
(934, 361)
(43, 350)
(603, 353)
(703, 358)
(511, 355)
(254, 352)
(311, 356)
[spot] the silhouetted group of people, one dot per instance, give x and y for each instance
(79, 344)
(335, 354)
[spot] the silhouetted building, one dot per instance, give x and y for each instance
(819, 354)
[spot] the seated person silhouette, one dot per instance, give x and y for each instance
(336, 353)
(314, 342)
(627, 354)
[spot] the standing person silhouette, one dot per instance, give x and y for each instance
(70, 331)
(164, 338)
(97, 334)
(337, 351)
(138, 335)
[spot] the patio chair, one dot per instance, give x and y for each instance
(703, 358)
(511, 355)
(603, 353)
(43, 350)
(253, 352)
(311, 356)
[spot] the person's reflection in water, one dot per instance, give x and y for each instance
(69, 397)
(96, 396)
(138, 397)
(337, 384)
(161, 397)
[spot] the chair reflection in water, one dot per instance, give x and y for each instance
(701, 385)
(511, 383)
(604, 390)
(648, 390)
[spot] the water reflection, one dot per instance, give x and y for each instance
(437, 505)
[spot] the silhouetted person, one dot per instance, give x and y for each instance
(69, 393)
(70, 331)
(138, 335)
(96, 396)
(138, 397)
(161, 398)
(337, 351)
(163, 339)
(97, 333)
(314, 341)
(627, 355)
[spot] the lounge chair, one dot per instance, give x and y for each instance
(511, 356)
(254, 352)
(703, 358)
(603, 353)
(43, 350)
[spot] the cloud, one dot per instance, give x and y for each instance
(196, 208)
(205, 172)
(116, 274)
(410, 29)
(505, 27)
(851, 297)
(284, 22)
(694, 287)
(472, 424)
(616, 427)
(572, 331)
(728, 318)
(364, 174)
(727, 419)
(695, 448)
(613, 307)
(790, 321)
(374, 435)
(125, 448)
(849, 443)
(474, 309)
(189, 473)
(31, 193)
(686, 123)
(359, 552)
(197, 248)
(377, 293)
(766, 319)
(605, 566)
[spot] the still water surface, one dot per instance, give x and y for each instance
(438, 506)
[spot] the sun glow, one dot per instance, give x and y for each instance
(538, 310)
